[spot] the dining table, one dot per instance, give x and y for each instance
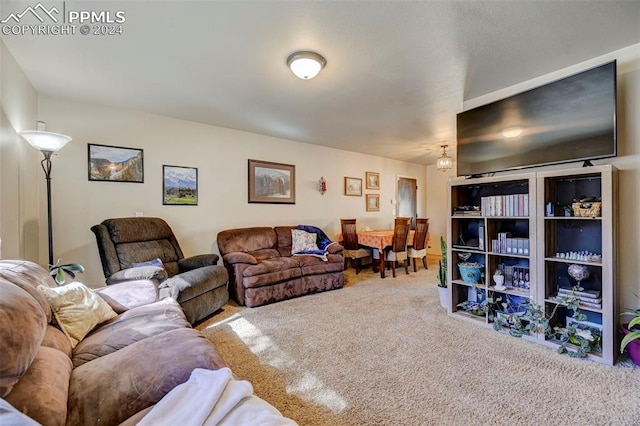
(379, 239)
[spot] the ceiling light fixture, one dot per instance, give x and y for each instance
(306, 64)
(512, 132)
(445, 162)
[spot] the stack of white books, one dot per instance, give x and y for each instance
(590, 298)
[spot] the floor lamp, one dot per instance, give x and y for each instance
(47, 143)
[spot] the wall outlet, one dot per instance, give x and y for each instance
(139, 214)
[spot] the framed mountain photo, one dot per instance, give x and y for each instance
(179, 186)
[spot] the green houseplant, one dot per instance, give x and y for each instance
(575, 339)
(59, 272)
(631, 340)
(442, 275)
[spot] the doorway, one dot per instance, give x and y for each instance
(407, 199)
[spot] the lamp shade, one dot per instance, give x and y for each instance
(306, 65)
(45, 141)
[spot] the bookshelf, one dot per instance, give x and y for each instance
(506, 223)
(491, 221)
(562, 239)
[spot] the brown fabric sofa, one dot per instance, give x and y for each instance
(113, 375)
(262, 269)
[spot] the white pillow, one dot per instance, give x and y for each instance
(302, 241)
(77, 309)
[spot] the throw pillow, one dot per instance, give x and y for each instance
(77, 309)
(302, 241)
(154, 262)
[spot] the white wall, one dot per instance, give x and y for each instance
(221, 156)
(18, 163)
(627, 162)
(437, 209)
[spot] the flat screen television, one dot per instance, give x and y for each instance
(572, 119)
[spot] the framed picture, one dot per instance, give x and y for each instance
(353, 186)
(179, 186)
(115, 164)
(373, 202)
(373, 180)
(272, 183)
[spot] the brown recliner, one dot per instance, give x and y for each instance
(197, 282)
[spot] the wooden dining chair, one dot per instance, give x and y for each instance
(418, 249)
(397, 251)
(352, 249)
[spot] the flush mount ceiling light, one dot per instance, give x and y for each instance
(444, 162)
(306, 64)
(512, 132)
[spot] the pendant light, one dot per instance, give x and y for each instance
(444, 162)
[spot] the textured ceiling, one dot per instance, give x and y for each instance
(397, 72)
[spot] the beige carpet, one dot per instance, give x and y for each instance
(383, 352)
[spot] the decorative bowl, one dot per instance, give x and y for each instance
(470, 272)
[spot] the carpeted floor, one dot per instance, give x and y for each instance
(383, 352)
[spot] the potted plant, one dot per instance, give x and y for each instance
(443, 292)
(59, 272)
(631, 340)
(575, 339)
(475, 308)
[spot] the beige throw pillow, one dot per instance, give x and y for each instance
(77, 309)
(302, 241)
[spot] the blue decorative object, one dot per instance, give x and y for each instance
(470, 272)
(515, 304)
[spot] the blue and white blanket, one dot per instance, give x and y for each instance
(322, 241)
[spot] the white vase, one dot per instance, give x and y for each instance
(443, 292)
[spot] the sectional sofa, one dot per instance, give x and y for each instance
(138, 351)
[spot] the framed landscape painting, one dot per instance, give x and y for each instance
(179, 186)
(352, 186)
(115, 164)
(272, 183)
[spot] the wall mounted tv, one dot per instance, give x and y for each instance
(572, 119)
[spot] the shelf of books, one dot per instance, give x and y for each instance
(490, 230)
(540, 240)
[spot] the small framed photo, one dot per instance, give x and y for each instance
(373, 180)
(272, 183)
(179, 186)
(373, 202)
(353, 186)
(115, 164)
